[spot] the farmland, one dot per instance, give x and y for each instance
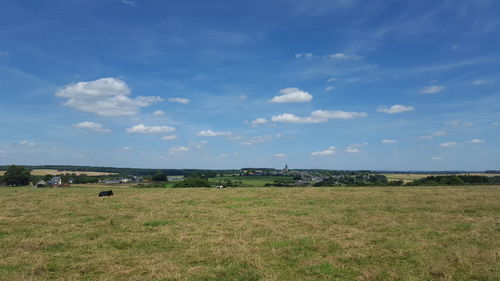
(44, 172)
(347, 233)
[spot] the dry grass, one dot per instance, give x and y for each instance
(375, 233)
(43, 172)
(410, 177)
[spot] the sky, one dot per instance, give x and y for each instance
(330, 84)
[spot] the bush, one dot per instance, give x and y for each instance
(193, 182)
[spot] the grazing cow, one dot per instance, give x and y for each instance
(106, 193)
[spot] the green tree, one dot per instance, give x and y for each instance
(17, 175)
(159, 177)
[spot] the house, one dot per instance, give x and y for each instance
(55, 182)
(41, 183)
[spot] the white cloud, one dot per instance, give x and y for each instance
(126, 148)
(331, 80)
(91, 126)
(495, 124)
(142, 129)
(481, 82)
(243, 97)
(426, 137)
(329, 151)
(106, 96)
(27, 143)
(330, 88)
(171, 137)
(354, 148)
(342, 56)
(129, 3)
(439, 133)
(449, 144)
(210, 133)
(280, 155)
(178, 149)
(259, 121)
(459, 124)
(476, 141)
(292, 95)
(257, 140)
(159, 113)
(389, 141)
(317, 116)
(179, 100)
(292, 118)
(397, 108)
(431, 89)
(436, 158)
(304, 55)
(336, 114)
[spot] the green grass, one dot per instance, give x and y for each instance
(356, 233)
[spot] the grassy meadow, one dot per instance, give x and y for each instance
(347, 233)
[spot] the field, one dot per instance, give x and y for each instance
(356, 233)
(43, 172)
(410, 177)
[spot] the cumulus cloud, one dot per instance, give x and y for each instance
(431, 89)
(329, 151)
(330, 88)
(126, 148)
(389, 141)
(449, 144)
(259, 121)
(158, 113)
(179, 100)
(331, 80)
(397, 108)
(210, 133)
(91, 126)
(178, 149)
(292, 95)
(280, 155)
(171, 137)
(142, 129)
(105, 96)
(476, 141)
(342, 56)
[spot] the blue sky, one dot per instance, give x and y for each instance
(398, 85)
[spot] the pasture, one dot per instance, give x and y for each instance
(346, 233)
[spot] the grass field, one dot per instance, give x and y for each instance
(359, 233)
(43, 172)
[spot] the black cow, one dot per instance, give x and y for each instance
(106, 193)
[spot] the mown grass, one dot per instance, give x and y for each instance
(360, 233)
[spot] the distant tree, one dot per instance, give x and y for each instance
(159, 177)
(17, 175)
